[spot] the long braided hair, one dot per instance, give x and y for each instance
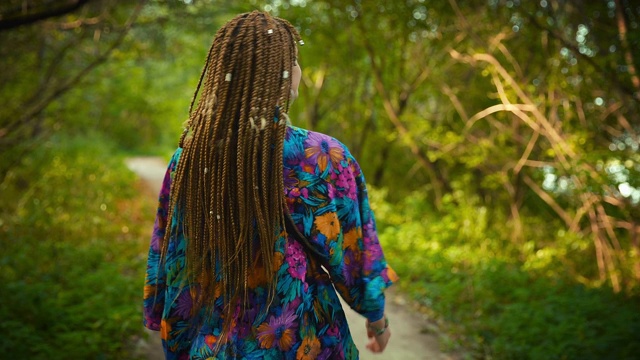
(227, 194)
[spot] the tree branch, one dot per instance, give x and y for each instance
(607, 74)
(37, 109)
(548, 199)
(394, 115)
(628, 55)
(46, 13)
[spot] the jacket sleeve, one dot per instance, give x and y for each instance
(155, 278)
(363, 274)
(343, 228)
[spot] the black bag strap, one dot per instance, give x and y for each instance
(292, 230)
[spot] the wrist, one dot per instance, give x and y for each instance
(378, 327)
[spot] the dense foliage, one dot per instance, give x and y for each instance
(460, 268)
(72, 259)
(500, 139)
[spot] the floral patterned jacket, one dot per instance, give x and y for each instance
(327, 197)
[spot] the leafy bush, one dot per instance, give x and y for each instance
(499, 298)
(73, 254)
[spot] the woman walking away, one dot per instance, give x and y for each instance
(259, 221)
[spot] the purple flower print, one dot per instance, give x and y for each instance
(290, 179)
(325, 354)
(347, 184)
(373, 253)
(322, 150)
(184, 303)
(351, 267)
(278, 331)
(294, 254)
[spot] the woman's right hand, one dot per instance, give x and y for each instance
(377, 343)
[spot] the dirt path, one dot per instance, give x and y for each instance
(411, 338)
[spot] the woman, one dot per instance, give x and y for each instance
(253, 210)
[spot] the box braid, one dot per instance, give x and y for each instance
(227, 194)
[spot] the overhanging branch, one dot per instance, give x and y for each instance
(10, 22)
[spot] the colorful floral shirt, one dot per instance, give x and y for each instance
(327, 197)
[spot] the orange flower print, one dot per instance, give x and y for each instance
(149, 291)
(165, 329)
(323, 150)
(278, 259)
(258, 277)
(278, 332)
(328, 225)
(309, 349)
(351, 238)
(210, 340)
(391, 274)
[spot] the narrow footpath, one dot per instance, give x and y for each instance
(412, 335)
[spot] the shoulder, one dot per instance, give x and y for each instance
(311, 153)
(176, 155)
(313, 142)
(173, 163)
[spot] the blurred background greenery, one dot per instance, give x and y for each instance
(500, 139)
